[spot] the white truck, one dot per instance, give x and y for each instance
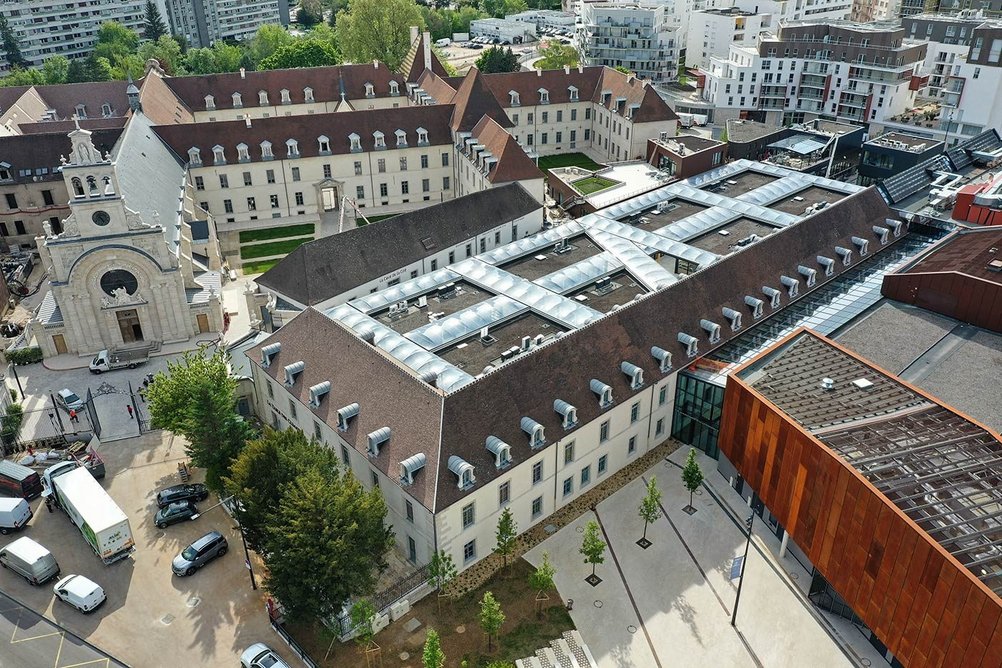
(109, 360)
(103, 524)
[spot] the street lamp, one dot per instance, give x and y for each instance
(744, 564)
(239, 527)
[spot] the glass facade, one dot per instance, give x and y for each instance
(696, 421)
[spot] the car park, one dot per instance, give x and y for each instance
(79, 592)
(193, 492)
(68, 400)
(180, 511)
(260, 655)
(199, 553)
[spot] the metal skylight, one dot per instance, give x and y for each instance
(580, 273)
(406, 290)
(517, 249)
(653, 240)
(648, 272)
(465, 323)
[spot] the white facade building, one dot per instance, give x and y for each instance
(784, 10)
(643, 36)
(506, 31)
(712, 32)
(205, 22)
(546, 19)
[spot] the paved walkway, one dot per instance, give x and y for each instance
(671, 604)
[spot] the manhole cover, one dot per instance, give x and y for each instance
(579, 529)
(404, 656)
(194, 601)
(631, 628)
(166, 620)
(598, 604)
(460, 629)
(865, 662)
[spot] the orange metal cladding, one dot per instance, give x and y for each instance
(927, 608)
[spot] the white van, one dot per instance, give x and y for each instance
(14, 514)
(29, 560)
(442, 43)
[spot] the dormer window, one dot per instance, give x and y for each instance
(394, 88)
(308, 94)
(663, 357)
(712, 330)
(513, 98)
(463, 470)
(370, 90)
(537, 437)
(791, 284)
(194, 157)
(882, 233)
(828, 264)
(262, 97)
(773, 294)
(318, 392)
(895, 225)
(810, 275)
(634, 373)
(422, 137)
(380, 139)
(284, 93)
(268, 353)
(292, 372)
(756, 305)
(81, 111)
(354, 142)
(845, 254)
(292, 148)
(568, 412)
(862, 244)
(606, 96)
(690, 342)
(632, 111)
(544, 96)
(409, 468)
(733, 317)
(401, 138)
(324, 144)
(603, 391)
(106, 110)
(376, 440)
(573, 93)
(500, 450)
(210, 103)
(237, 101)
(344, 416)
(242, 153)
(218, 155)
(266, 150)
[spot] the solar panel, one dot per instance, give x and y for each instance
(912, 180)
(959, 157)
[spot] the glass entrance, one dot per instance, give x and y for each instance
(696, 421)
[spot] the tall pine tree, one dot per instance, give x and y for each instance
(11, 49)
(153, 25)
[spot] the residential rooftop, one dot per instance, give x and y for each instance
(904, 142)
(976, 252)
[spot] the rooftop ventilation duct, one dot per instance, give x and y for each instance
(410, 466)
(500, 450)
(268, 352)
(344, 416)
(663, 357)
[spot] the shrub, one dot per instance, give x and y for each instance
(22, 356)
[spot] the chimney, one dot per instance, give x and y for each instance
(243, 73)
(539, 73)
(567, 69)
(580, 68)
(414, 34)
(247, 119)
(375, 63)
(427, 50)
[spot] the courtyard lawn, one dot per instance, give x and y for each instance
(581, 160)
(592, 184)
(276, 233)
(258, 267)
(375, 219)
(274, 248)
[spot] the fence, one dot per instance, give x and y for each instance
(382, 600)
(291, 642)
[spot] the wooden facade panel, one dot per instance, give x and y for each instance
(927, 609)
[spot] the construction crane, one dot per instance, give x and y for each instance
(354, 205)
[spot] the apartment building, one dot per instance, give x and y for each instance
(712, 32)
(851, 72)
(781, 10)
(546, 20)
(505, 31)
(205, 22)
(643, 36)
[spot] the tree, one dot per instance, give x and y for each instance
(506, 533)
(556, 55)
(491, 617)
(310, 13)
(362, 614)
(378, 30)
(196, 398)
(55, 69)
(166, 51)
(326, 543)
(462, 17)
(258, 475)
(334, 9)
(20, 77)
(268, 39)
(541, 580)
(433, 656)
(229, 58)
(650, 506)
(114, 42)
(301, 53)
(98, 68)
(441, 572)
(76, 72)
(153, 25)
(692, 476)
(501, 8)
(498, 59)
(437, 21)
(592, 547)
(11, 48)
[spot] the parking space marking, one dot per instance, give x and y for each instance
(106, 662)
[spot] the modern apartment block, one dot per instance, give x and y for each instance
(860, 73)
(204, 22)
(712, 32)
(782, 10)
(644, 36)
(45, 28)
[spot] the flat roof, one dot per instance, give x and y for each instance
(546, 261)
(672, 211)
(739, 184)
(473, 356)
(975, 253)
(798, 202)
(724, 239)
(622, 288)
(451, 301)
(930, 461)
(904, 142)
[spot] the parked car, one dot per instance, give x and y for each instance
(68, 400)
(174, 513)
(79, 592)
(199, 553)
(260, 655)
(193, 492)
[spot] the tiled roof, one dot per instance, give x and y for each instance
(64, 98)
(321, 269)
(413, 64)
(969, 252)
(39, 152)
(473, 101)
(306, 129)
(10, 95)
(65, 127)
(160, 103)
(440, 90)
(512, 162)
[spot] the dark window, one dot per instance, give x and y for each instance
(697, 413)
(3, 230)
(228, 205)
(11, 201)
(537, 472)
(327, 171)
(504, 494)
(537, 507)
(47, 197)
(409, 508)
(19, 226)
(118, 279)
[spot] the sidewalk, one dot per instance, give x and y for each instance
(68, 361)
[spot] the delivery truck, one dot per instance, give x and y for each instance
(103, 524)
(19, 481)
(109, 360)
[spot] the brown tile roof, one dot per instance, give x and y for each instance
(160, 104)
(65, 127)
(387, 395)
(473, 101)
(636, 92)
(10, 95)
(327, 84)
(305, 129)
(967, 252)
(437, 87)
(512, 162)
(42, 151)
(413, 63)
(64, 98)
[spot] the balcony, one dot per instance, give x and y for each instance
(773, 91)
(813, 81)
(810, 105)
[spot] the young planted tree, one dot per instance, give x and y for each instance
(506, 533)
(592, 546)
(153, 24)
(650, 506)
(491, 617)
(541, 580)
(432, 656)
(441, 572)
(362, 614)
(692, 477)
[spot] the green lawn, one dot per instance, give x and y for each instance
(568, 160)
(375, 219)
(276, 233)
(273, 248)
(258, 267)
(592, 184)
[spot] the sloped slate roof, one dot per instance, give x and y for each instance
(42, 151)
(513, 164)
(473, 101)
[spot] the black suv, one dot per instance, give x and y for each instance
(199, 553)
(195, 492)
(174, 513)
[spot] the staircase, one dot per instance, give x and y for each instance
(568, 651)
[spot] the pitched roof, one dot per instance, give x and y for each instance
(968, 251)
(160, 103)
(413, 63)
(473, 101)
(387, 395)
(64, 98)
(65, 127)
(512, 162)
(633, 92)
(321, 269)
(440, 90)
(39, 152)
(9, 95)
(327, 84)
(306, 129)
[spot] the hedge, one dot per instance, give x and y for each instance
(22, 356)
(276, 233)
(269, 249)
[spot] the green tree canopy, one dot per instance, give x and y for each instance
(437, 21)
(491, 617)
(301, 53)
(555, 55)
(76, 72)
(10, 46)
(498, 59)
(378, 30)
(153, 24)
(507, 531)
(268, 39)
(692, 475)
(501, 8)
(310, 13)
(55, 69)
(362, 613)
(592, 546)
(167, 52)
(21, 77)
(462, 17)
(114, 42)
(441, 571)
(432, 656)
(650, 505)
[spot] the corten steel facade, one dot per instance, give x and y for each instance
(922, 603)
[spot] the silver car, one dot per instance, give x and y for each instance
(199, 553)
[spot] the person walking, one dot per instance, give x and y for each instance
(48, 503)
(73, 415)
(128, 407)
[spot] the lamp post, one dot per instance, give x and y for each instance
(239, 527)
(744, 564)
